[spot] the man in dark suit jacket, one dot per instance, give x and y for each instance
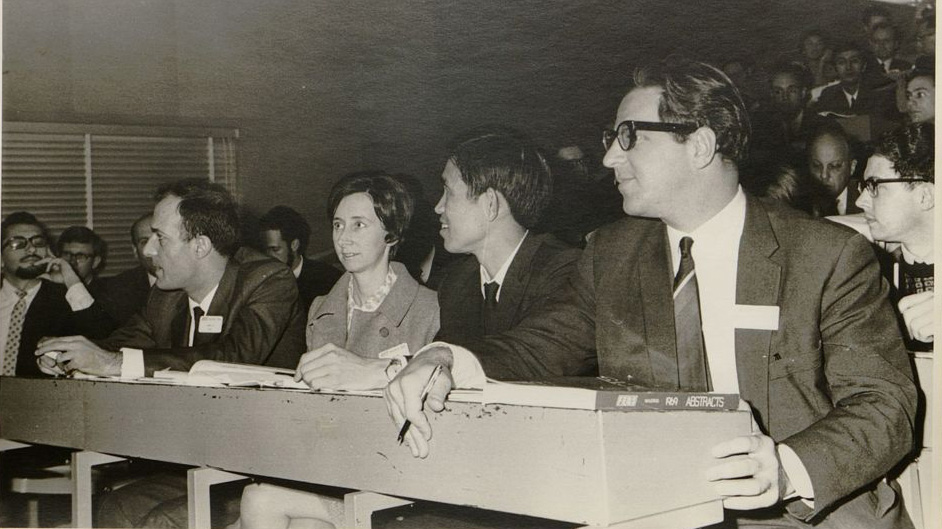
(56, 300)
(497, 186)
(794, 317)
(213, 301)
(284, 236)
(125, 294)
(249, 304)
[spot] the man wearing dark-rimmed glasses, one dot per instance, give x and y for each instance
(897, 196)
(85, 251)
(703, 286)
(41, 295)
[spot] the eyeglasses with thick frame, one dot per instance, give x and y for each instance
(627, 132)
(19, 243)
(76, 257)
(871, 184)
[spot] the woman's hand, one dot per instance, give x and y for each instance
(332, 367)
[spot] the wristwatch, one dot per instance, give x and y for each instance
(396, 364)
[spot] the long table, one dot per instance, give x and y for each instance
(618, 469)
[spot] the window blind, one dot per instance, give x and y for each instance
(103, 176)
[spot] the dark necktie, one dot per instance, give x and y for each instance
(12, 348)
(197, 314)
(490, 294)
(692, 366)
(490, 307)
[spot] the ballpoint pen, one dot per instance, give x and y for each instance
(425, 391)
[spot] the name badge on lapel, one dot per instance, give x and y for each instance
(758, 317)
(210, 325)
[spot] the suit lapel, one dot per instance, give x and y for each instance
(655, 275)
(514, 285)
(757, 283)
(178, 326)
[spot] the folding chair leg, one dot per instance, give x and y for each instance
(198, 481)
(82, 487)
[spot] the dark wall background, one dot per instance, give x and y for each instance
(321, 88)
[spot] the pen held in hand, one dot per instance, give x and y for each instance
(425, 391)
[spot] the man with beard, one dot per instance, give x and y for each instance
(41, 296)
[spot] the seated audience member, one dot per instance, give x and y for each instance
(925, 37)
(421, 251)
(787, 122)
(375, 308)
(782, 180)
(851, 96)
(213, 301)
(884, 44)
(496, 187)
(652, 301)
(126, 293)
(872, 17)
(920, 96)
(85, 251)
(817, 57)
(284, 234)
(41, 295)
(831, 162)
(898, 201)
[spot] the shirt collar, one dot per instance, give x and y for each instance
(502, 271)
(912, 258)
(723, 228)
(206, 302)
(373, 302)
(297, 270)
(8, 290)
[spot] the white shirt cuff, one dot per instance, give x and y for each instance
(466, 372)
(797, 473)
(132, 363)
(78, 297)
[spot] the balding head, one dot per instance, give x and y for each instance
(831, 159)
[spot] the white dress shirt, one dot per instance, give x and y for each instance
(502, 272)
(8, 300)
(132, 360)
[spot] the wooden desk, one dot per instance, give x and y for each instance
(593, 468)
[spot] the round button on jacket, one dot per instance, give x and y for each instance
(384, 332)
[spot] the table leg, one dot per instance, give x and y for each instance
(82, 486)
(198, 482)
(359, 507)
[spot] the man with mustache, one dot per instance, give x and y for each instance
(41, 296)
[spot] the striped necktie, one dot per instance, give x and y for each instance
(692, 367)
(12, 348)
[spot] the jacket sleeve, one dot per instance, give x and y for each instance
(870, 427)
(270, 313)
(557, 339)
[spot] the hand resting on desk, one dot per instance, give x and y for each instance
(332, 367)
(404, 396)
(749, 475)
(77, 353)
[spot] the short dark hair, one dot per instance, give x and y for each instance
(505, 160)
(290, 223)
(921, 70)
(392, 202)
(798, 71)
(700, 94)
(82, 235)
(206, 209)
(848, 45)
(911, 149)
(874, 11)
(22, 218)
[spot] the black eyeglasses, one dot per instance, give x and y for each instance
(76, 257)
(18, 243)
(627, 132)
(871, 184)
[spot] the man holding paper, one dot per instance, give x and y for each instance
(708, 288)
(213, 301)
